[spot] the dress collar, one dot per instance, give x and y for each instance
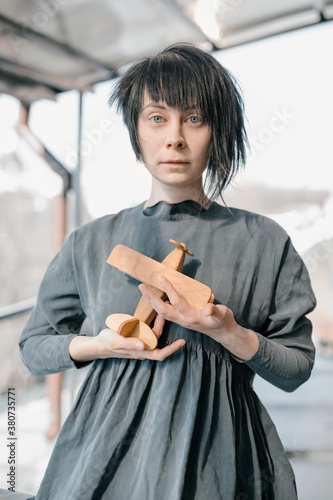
(175, 211)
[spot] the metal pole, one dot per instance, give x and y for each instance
(77, 219)
(78, 210)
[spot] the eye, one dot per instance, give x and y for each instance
(156, 119)
(195, 119)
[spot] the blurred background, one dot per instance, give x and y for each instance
(65, 159)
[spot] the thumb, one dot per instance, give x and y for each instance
(134, 344)
(208, 310)
(129, 343)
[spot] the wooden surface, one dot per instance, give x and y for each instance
(147, 270)
(126, 325)
(174, 260)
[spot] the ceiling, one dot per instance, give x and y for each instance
(50, 46)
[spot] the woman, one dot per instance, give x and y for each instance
(181, 421)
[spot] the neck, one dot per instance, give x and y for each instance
(176, 194)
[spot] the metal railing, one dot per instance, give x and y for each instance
(17, 308)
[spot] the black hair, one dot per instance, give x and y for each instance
(185, 76)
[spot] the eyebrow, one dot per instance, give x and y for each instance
(154, 105)
(161, 106)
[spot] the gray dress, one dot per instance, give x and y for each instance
(190, 427)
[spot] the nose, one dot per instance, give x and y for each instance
(175, 136)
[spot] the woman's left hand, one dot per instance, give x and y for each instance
(216, 321)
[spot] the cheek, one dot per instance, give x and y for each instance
(148, 142)
(205, 140)
(148, 149)
(205, 147)
(144, 143)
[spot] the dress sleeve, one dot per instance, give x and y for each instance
(286, 352)
(56, 318)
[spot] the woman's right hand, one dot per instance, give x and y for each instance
(109, 344)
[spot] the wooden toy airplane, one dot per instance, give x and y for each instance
(148, 270)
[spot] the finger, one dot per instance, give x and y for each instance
(119, 342)
(158, 325)
(162, 354)
(177, 300)
(217, 313)
(208, 310)
(156, 302)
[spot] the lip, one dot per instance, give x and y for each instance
(177, 162)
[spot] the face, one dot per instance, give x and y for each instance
(175, 144)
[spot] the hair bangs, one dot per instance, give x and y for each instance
(170, 78)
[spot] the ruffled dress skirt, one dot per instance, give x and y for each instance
(187, 428)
